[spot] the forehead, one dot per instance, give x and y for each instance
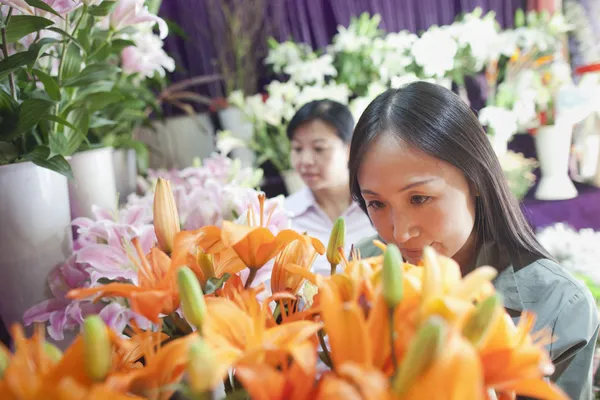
(389, 162)
(315, 130)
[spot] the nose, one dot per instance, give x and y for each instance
(404, 228)
(306, 157)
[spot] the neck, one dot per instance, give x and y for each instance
(333, 201)
(467, 255)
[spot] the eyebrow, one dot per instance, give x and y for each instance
(409, 186)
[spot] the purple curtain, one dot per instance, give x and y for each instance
(310, 21)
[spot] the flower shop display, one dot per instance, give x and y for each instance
(536, 93)
(77, 78)
(363, 61)
(207, 330)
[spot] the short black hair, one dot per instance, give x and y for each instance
(436, 121)
(331, 112)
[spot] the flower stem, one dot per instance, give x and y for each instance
(251, 277)
(392, 340)
(333, 268)
(326, 354)
(11, 76)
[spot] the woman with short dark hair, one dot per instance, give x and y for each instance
(320, 135)
(423, 169)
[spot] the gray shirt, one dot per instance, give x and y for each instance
(560, 303)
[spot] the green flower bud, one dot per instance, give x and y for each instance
(192, 298)
(97, 348)
(478, 325)
(336, 241)
(392, 276)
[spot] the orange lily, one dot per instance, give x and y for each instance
(194, 249)
(264, 382)
(302, 252)
(155, 293)
(516, 362)
(353, 382)
(33, 373)
(245, 336)
(254, 244)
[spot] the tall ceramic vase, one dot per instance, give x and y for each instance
(125, 166)
(35, 235)
(553, 145)
(94, 182)
(233, 119)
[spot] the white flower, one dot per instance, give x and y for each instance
(435, 52)
(312, 71)
(477, 33)
(286, 90)
(331, 91)
(347, 40)
(286, 53)
(501, 122)
(236, 98)
(226, 142)
(147, 57)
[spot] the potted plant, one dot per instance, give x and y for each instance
(61, 72)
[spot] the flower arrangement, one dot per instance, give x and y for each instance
(523, 87)
(207, 194)
(417, 331)
(76, 74)
(363, 61)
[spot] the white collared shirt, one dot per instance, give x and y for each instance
(307, 216)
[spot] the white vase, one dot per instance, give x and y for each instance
(35, 235)
(94, 182)
(293, 181)
(233, 120)
(124, 163)
(177, 141)
(553, 146)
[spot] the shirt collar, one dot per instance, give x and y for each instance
(506, 282)
(301, 201)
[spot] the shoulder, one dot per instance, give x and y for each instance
(367, 248)
(299, 202)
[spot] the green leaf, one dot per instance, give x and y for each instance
(30, 112)
(49, 84)
(119, 44)
(72, 62)
(8, 153)
(214, 284)
(99, 101)
(20, 26)
(41, 156)
(66, 34)
(7, 103)
(100, 122)
(59, 120)
(42, 6)
(39, 47)
(17, 60)
(93, 74)
(80, 119)
(57, 142)
(103, 9)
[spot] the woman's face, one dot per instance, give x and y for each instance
(416, 200)
(319, 155)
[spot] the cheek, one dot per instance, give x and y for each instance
(451, 225)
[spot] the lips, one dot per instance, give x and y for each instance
(412, 253)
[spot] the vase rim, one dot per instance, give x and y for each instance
(90, 151)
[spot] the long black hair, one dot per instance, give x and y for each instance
(331, 112)
(438, 122)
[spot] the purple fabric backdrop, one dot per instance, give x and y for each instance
(310, 21)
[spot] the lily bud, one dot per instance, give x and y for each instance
(392, 276)
(53, 352)
(336, 241)
(166, 218)
(200, 367)
(97, 348)
(479, 322)
(192, 298)
(421, 353)
(432, 274)
(4, 361)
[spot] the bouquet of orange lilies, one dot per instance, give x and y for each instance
(377, 329)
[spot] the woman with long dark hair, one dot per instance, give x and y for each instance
(423, 169)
